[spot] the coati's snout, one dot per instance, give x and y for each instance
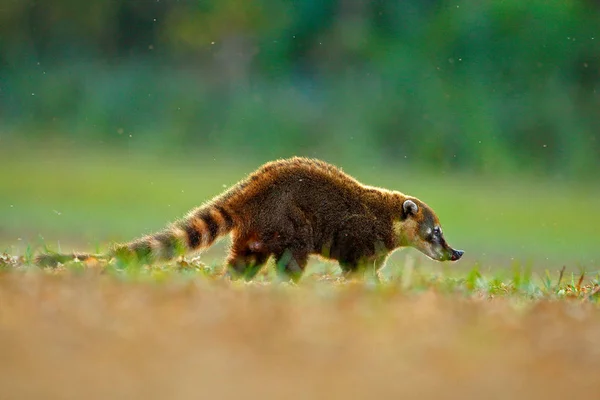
(420, 228)
(456, 254)
(440, 251)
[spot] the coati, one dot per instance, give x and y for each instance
(290, 209)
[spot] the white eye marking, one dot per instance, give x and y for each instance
(428, 231)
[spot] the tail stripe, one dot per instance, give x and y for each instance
(180, 235)
(167, 245)
(156, 247)
(194, 229)
(227, 219)
(211, 224)
(142, 249)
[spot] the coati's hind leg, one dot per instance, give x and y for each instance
(292, 252)
(246, 257)
(290, 263)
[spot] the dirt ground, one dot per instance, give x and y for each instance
(95, 337)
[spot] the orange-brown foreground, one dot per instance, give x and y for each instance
(66, 337)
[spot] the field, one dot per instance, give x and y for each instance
(517, 317)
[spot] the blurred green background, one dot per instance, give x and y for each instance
(118, 116)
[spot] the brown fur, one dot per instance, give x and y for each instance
(291, 209)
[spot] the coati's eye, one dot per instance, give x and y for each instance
(436, 233)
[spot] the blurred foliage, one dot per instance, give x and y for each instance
(487, 86)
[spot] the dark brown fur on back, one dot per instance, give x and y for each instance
(291, 209)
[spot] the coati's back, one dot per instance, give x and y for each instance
(321, 191)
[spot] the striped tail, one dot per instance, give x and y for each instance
(198, 229)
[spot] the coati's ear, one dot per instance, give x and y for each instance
(410, 207)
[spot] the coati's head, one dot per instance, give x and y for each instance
(420, 228)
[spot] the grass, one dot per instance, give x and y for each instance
(518, 283)
(517, 317)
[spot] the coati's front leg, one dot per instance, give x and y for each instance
(358, 248)
(367, 266)
(292, 245)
